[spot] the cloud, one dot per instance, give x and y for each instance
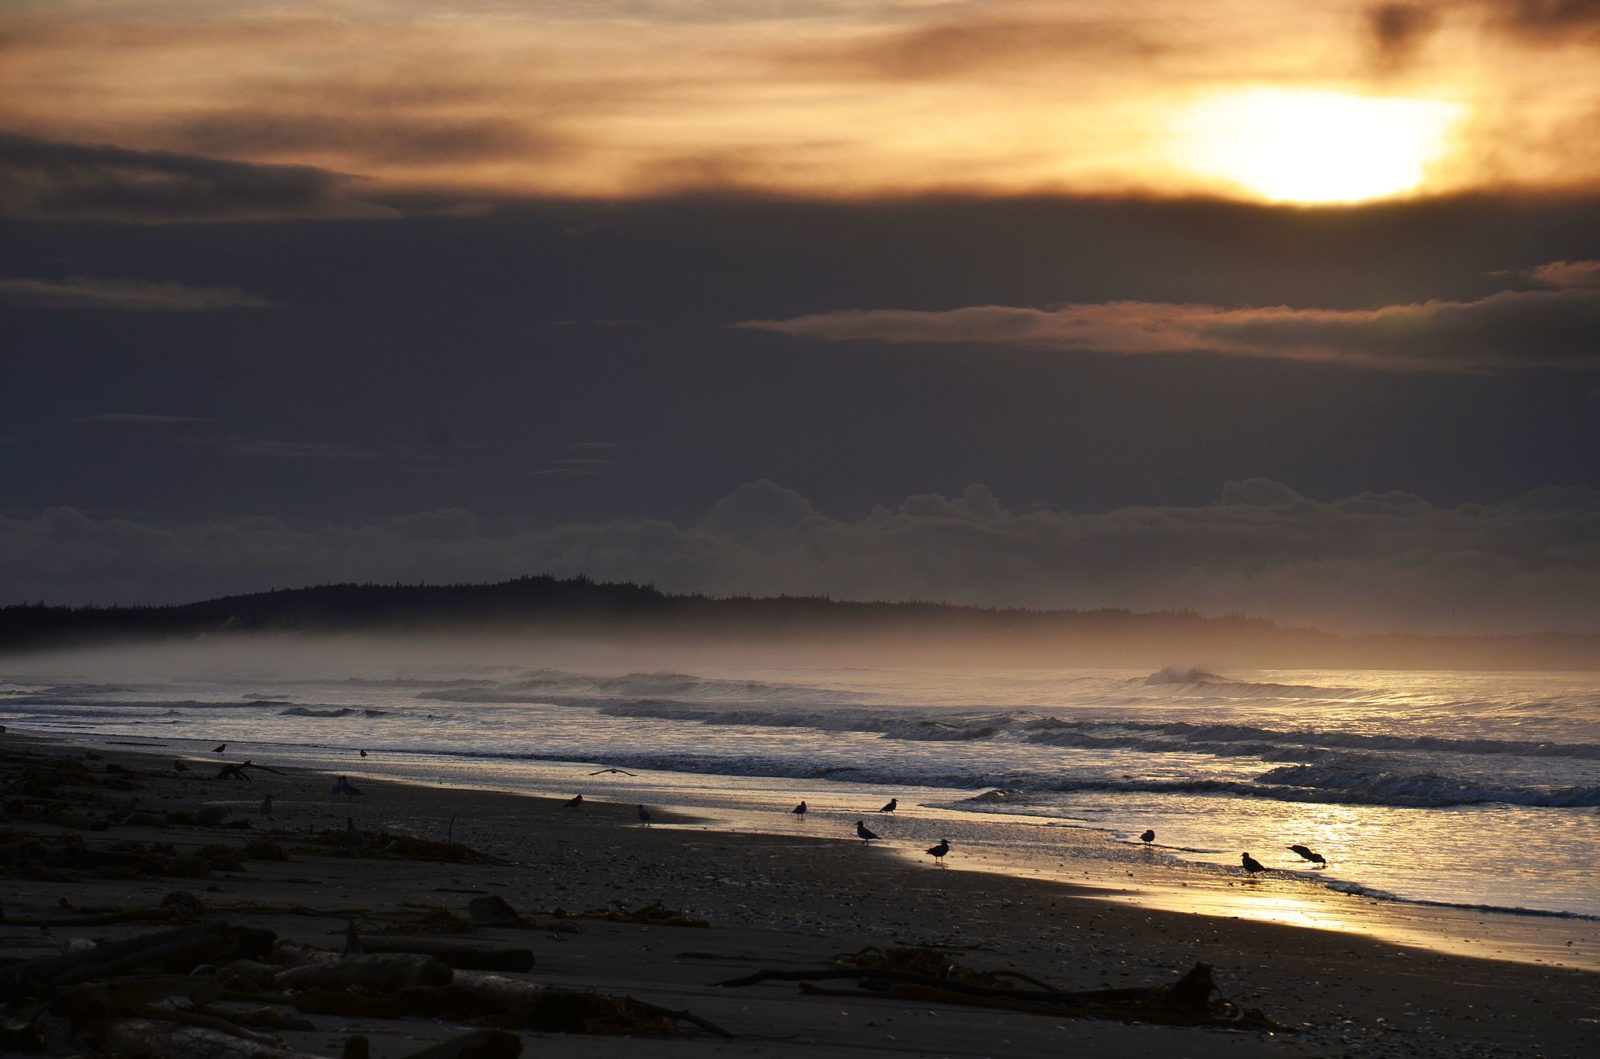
(1397, 32)
(140, 419)
(1510, 329)
(86, 292)
(1548, 21)
(369, 139)
(1569, 274)
(52, 180)
(1372, 561)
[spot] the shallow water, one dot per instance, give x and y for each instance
(1457, 789)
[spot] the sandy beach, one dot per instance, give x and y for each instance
(786, 901)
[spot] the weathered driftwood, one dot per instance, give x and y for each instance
(479, 1044)
(178, 950)
(351, 1005)
(241, 771)
(513, 1002)
(457, 955)
(157, 1039)
(654, 914)
(385, 972)
(98, 1000)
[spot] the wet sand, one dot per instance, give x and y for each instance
(790, 901)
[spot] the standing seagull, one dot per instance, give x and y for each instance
(1251, 865)
(1306, 853)
(799, 810)
(1148, 837)
(894, 803)
(219, 748)
(363, 753)
(863, 833)
(644, 816)
(575, 801)
(938, 852)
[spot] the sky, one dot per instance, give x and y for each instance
(1251, 307)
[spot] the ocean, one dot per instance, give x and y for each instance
(1472, 790)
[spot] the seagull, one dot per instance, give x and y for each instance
(573, 803)
(624, 772)
(266, 806)
(938, 852)
(644, 816)
(219, 748)
(1312, 855)
(344, 787)
(863, 833)
(799, 810)
(1148, 837)
(1251, 865)
(363, 753)
(351, 835)
(894, 803)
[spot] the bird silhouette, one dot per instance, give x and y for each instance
(863, 833)
(644, 816)
(894, 803)
(219, 748)
(938, 852)
(363, 753)
(573, 802)
(598, 772)
(799, 810)
(1148, 837)
(1251, 865)
(1306, 853)
(266, 806)
(344, 787)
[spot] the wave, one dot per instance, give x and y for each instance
(1358, 890)
(546, 684)
(332, 711)
(1201, 680)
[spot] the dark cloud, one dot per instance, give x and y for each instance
(52, 180)
(369, 139)
(954, 48)
(1397, 31)
(1549, 21)
(1503, 331)
(1368, 561)
(87, 292)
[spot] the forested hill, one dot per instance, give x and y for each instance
(582, 607)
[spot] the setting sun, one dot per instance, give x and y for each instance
(1315, 147)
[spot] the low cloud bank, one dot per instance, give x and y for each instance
(1371, 562)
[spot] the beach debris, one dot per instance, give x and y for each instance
(1306, 853)
(1148, 837)
(655, 914)
(458, 956)
(799, 810)
(1250, 864)
(863, 832)
(479, 1044)
(893, 804)
(351, 841)
(177, 950)
(929, 976)
(938, 852)
(382, 972)
(492, 911)
(211, 815)
(514, 1002)
(241, 771)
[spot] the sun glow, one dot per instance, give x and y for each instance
(1315, 147)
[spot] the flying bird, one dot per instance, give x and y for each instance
(644, 816)
(894, 803)
(624, 772)
(863, 833)
(1148, 837)
(1250, 864)
(799, 810)
(1306, 853)
(938, 852)
(573, 802)
(219, 748)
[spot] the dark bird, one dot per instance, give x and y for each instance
(573, 802)
(266, 806)
(894, 803)
(1148, 837)
(644, 816)
(938, 852)
(363, 753)
(863, 833)
(344, 787)
(219, 748)
(598, 772)
(1250, 864)
(799, 810)
(1306, 853)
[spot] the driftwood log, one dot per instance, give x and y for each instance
(383, 972)
(176, 950)
(479, 1044)
(457, 955)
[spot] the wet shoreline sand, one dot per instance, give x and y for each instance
(782, 900)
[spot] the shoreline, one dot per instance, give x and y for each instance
(790, 899)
